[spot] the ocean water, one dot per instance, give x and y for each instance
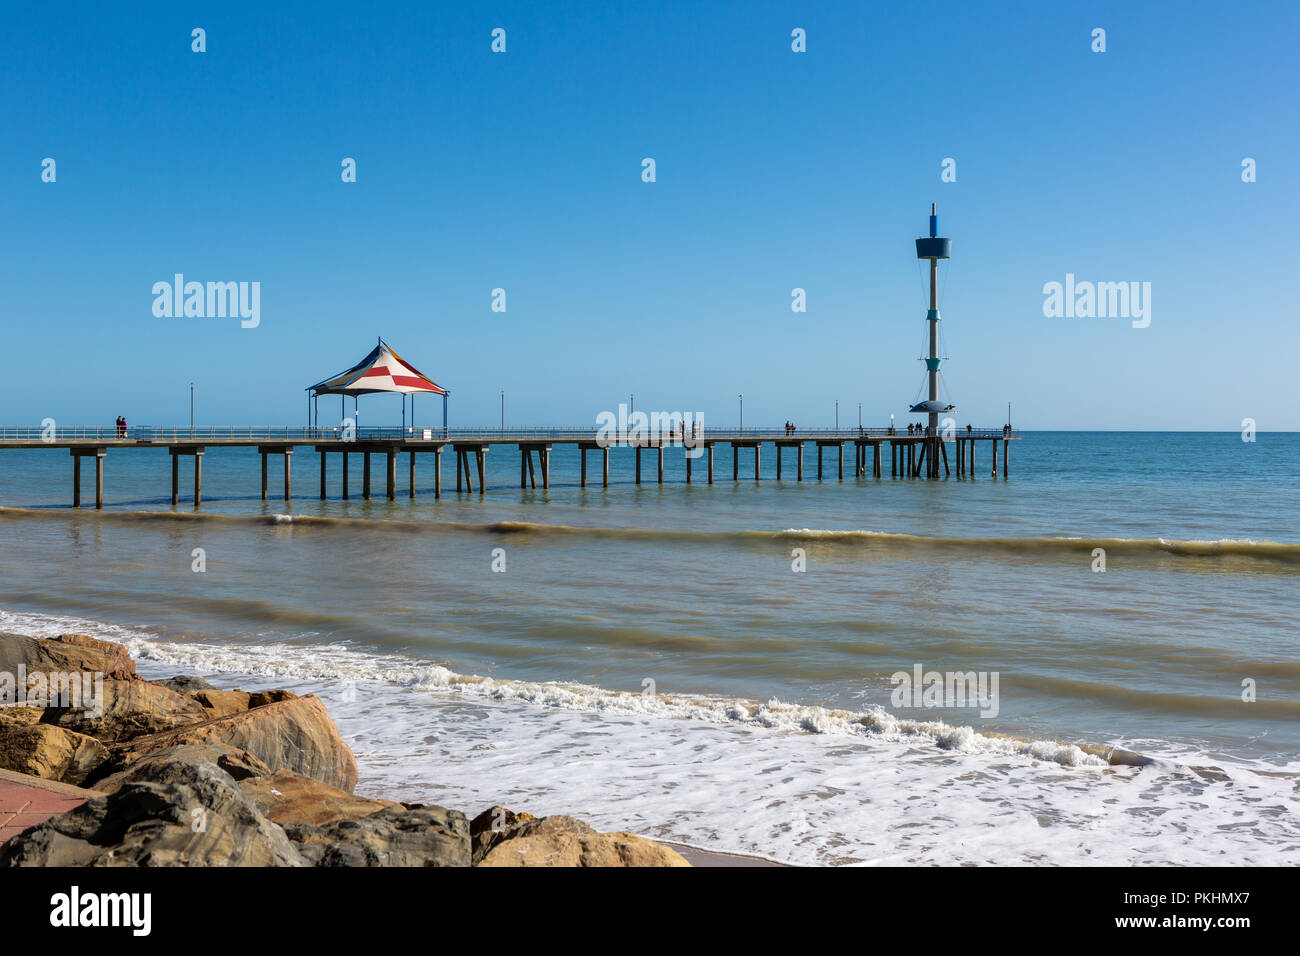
(648, 658)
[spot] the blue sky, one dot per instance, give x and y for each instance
(775, 170)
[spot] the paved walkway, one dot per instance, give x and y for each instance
(26, 801)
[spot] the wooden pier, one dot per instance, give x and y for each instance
(911, 456)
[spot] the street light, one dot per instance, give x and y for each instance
(192, 410)
(503, 409)
(837, 416)
(742, 413)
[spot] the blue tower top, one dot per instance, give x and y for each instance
(936, 247)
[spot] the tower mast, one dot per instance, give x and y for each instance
(934, 248)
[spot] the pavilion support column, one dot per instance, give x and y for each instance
(799, 462)
(545, 455)
(532, 475)
(176, 480)
(943, 448)
(1006, 457)
(459, 455)
(322, 476)
(735, 463)
(841, 461)
(99, 482)
(437, 473)
(365, 475)
(198, 478)
(638, 464)
(287, 453)
(819, 462)
(876, 460)
(582, 470)
(660, 451)
(709, 449)
(688, 464)
(604, 466)
(345, 476)
(758, 472)
(995, 458)
(779, 456)
(263, 476)
(411, 476)
(481, 455)
(391, 475)
(76, 479)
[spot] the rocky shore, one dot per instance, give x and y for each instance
(180, 773)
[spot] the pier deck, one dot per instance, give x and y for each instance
(911, 456)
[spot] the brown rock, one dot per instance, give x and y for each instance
(564, 841)
(193, 814)
(28, 746)
(294, 734)
(113, 659)
(240, 764)
(67, 652)
(221, 703)
(394, 836)
(489, 828)
(289, 798)
(131, 709)
(262, 698)
(184, 684)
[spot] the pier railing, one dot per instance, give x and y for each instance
(307, 433)
(273, 433)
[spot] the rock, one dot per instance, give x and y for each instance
(67, 652)
(131, 709)
(295, 734)
(240, 764)
(197, 816)
(28, 746)
(394, 836)
(21, 716)
(183, 685)
(262, 698)
(220, 703)
(289, 798)
(564, 841)
(486, 829)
